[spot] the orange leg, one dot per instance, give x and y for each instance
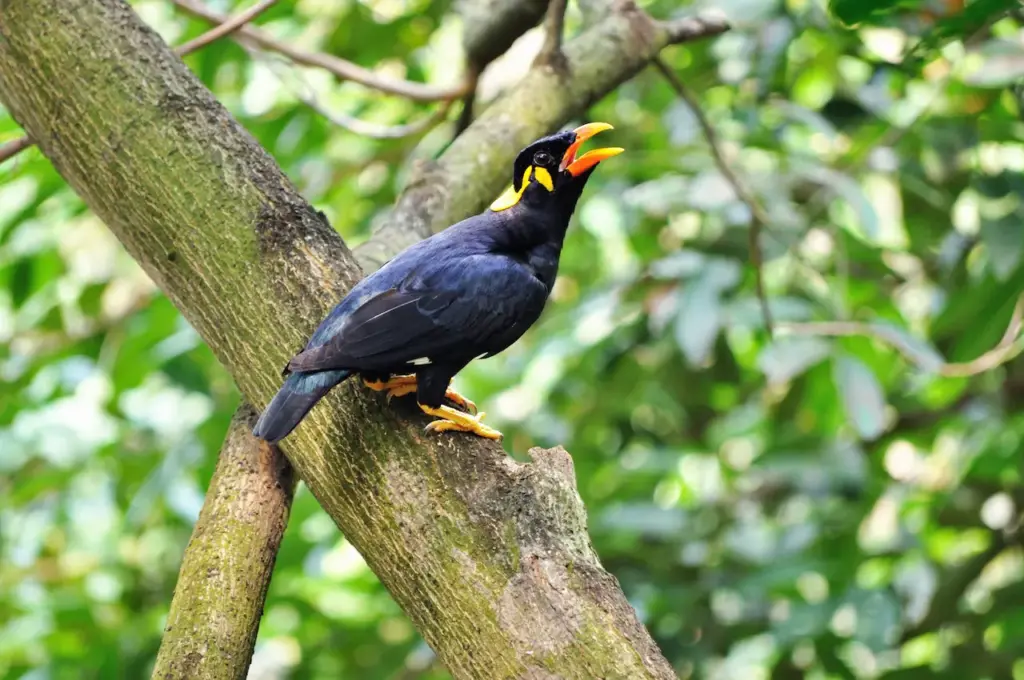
(401, 385)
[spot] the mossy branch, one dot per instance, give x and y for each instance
(218, 602)
(253, 267)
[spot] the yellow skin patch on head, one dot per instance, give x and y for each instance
(510, 197)
(544, 178)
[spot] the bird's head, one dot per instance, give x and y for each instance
(549, 171)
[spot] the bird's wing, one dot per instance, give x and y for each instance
(483, 298)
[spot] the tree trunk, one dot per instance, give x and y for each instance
(489, 558)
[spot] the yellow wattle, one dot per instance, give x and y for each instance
(510, 197)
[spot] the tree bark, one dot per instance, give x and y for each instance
(217, 605)
(489, 558)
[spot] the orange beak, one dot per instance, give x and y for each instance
(577, 166)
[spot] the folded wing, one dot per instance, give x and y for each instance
(482, 306)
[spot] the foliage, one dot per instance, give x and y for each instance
(802, 506)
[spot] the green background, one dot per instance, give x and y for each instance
(804, 507)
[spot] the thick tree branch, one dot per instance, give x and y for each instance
(218, 602)
(253, 267)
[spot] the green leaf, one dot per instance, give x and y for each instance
(701, 316)
(925, 356)
(1003, 242)
(851, 12)
(878, 616)
(788, 357)
(862, 397)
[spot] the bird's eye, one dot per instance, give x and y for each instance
(542, 158)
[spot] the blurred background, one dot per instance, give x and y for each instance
(809, 506)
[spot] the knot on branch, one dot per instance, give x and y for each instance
(704, 25)
(549, 513)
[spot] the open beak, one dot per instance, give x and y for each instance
(577, 166)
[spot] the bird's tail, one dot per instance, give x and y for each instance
(293, 401)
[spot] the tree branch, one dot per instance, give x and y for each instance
(342, 69)
(1009, 346)
(758, 217)
(217, 605)
(362, 127)
(688, 29)
(229, 26)
(254, 268)
(14, 147)
(491, 26)
(554, 27)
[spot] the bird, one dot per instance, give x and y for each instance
(465, 293)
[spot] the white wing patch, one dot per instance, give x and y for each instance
(422, 361)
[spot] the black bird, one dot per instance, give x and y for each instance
(465, 293)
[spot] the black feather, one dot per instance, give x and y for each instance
(293, 401)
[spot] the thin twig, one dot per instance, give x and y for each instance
(1008, 347)
(554, 27)
(14, 147)
(468, 100)
(305, 93)
(229, 26)
(758, 216)
(375, 130)
(342, 69)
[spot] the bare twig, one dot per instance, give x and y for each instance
(758, 217)
(14, 147)
(1008, 347)
(342, 69)
(375, 130)
(301, 88)
(229, 26)
(554, 27)
(468, 100)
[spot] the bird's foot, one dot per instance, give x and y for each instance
(401, 385)
(458, 421)
(398, 386)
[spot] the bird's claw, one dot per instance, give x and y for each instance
(462, 401)
(452, 420)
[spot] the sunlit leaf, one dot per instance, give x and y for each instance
(788, 357)
(861, 394)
